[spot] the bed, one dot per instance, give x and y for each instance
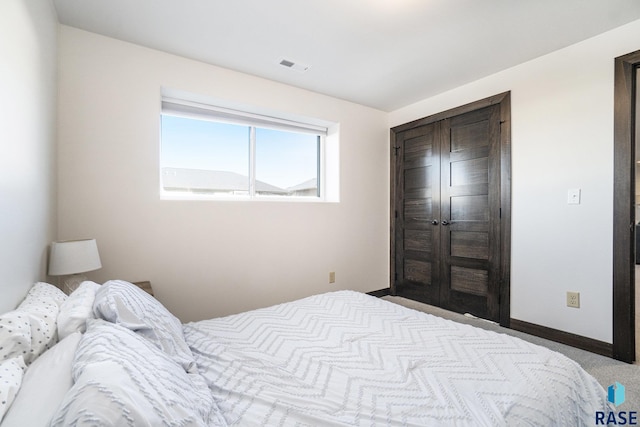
(113, 355)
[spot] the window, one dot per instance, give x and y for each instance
(214, 152)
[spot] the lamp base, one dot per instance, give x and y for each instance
(71, 282)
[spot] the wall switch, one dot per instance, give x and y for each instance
(573, 196)
(332, 277)
(573, 299)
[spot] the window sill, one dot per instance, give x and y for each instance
(205, 197)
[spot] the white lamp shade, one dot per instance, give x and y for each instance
(73, 256)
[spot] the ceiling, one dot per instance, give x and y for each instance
(384, 54)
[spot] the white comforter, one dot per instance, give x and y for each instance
(345, 358)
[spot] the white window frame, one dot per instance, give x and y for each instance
(328, 133)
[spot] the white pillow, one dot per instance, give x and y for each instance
(44, 384)
(75, 311)
(127, 305)
(15, 335)
(11, 372)
(123, 379)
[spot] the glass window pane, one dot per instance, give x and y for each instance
(205, 157)
(286, 163)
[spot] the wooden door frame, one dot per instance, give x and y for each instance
(624, 169)
(504, 101)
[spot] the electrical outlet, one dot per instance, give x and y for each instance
(573, 299)
(332, 277)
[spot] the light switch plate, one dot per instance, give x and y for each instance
(573, 196)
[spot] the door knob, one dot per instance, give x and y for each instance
(434, 222)
(445, 222)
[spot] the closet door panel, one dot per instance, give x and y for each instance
(416, 238)
(470, 213)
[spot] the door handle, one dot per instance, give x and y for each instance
(434, 222)
(445, 222)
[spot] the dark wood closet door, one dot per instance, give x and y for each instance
(447, 212)
(417, 239)
(470, 203)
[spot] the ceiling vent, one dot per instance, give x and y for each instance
(294, 65)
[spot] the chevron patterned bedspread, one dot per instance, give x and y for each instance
(346, 358)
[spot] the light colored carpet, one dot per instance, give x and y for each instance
(604, 369)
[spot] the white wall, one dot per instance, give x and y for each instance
(562, 138)
(28, 32)
(213, 258)
(207, 258)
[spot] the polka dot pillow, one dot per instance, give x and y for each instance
(42, 305)
(25, 333)
(15, 335)
(11, 372)
(43, 298)
(31, 329)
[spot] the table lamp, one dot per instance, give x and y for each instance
(71, 258)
